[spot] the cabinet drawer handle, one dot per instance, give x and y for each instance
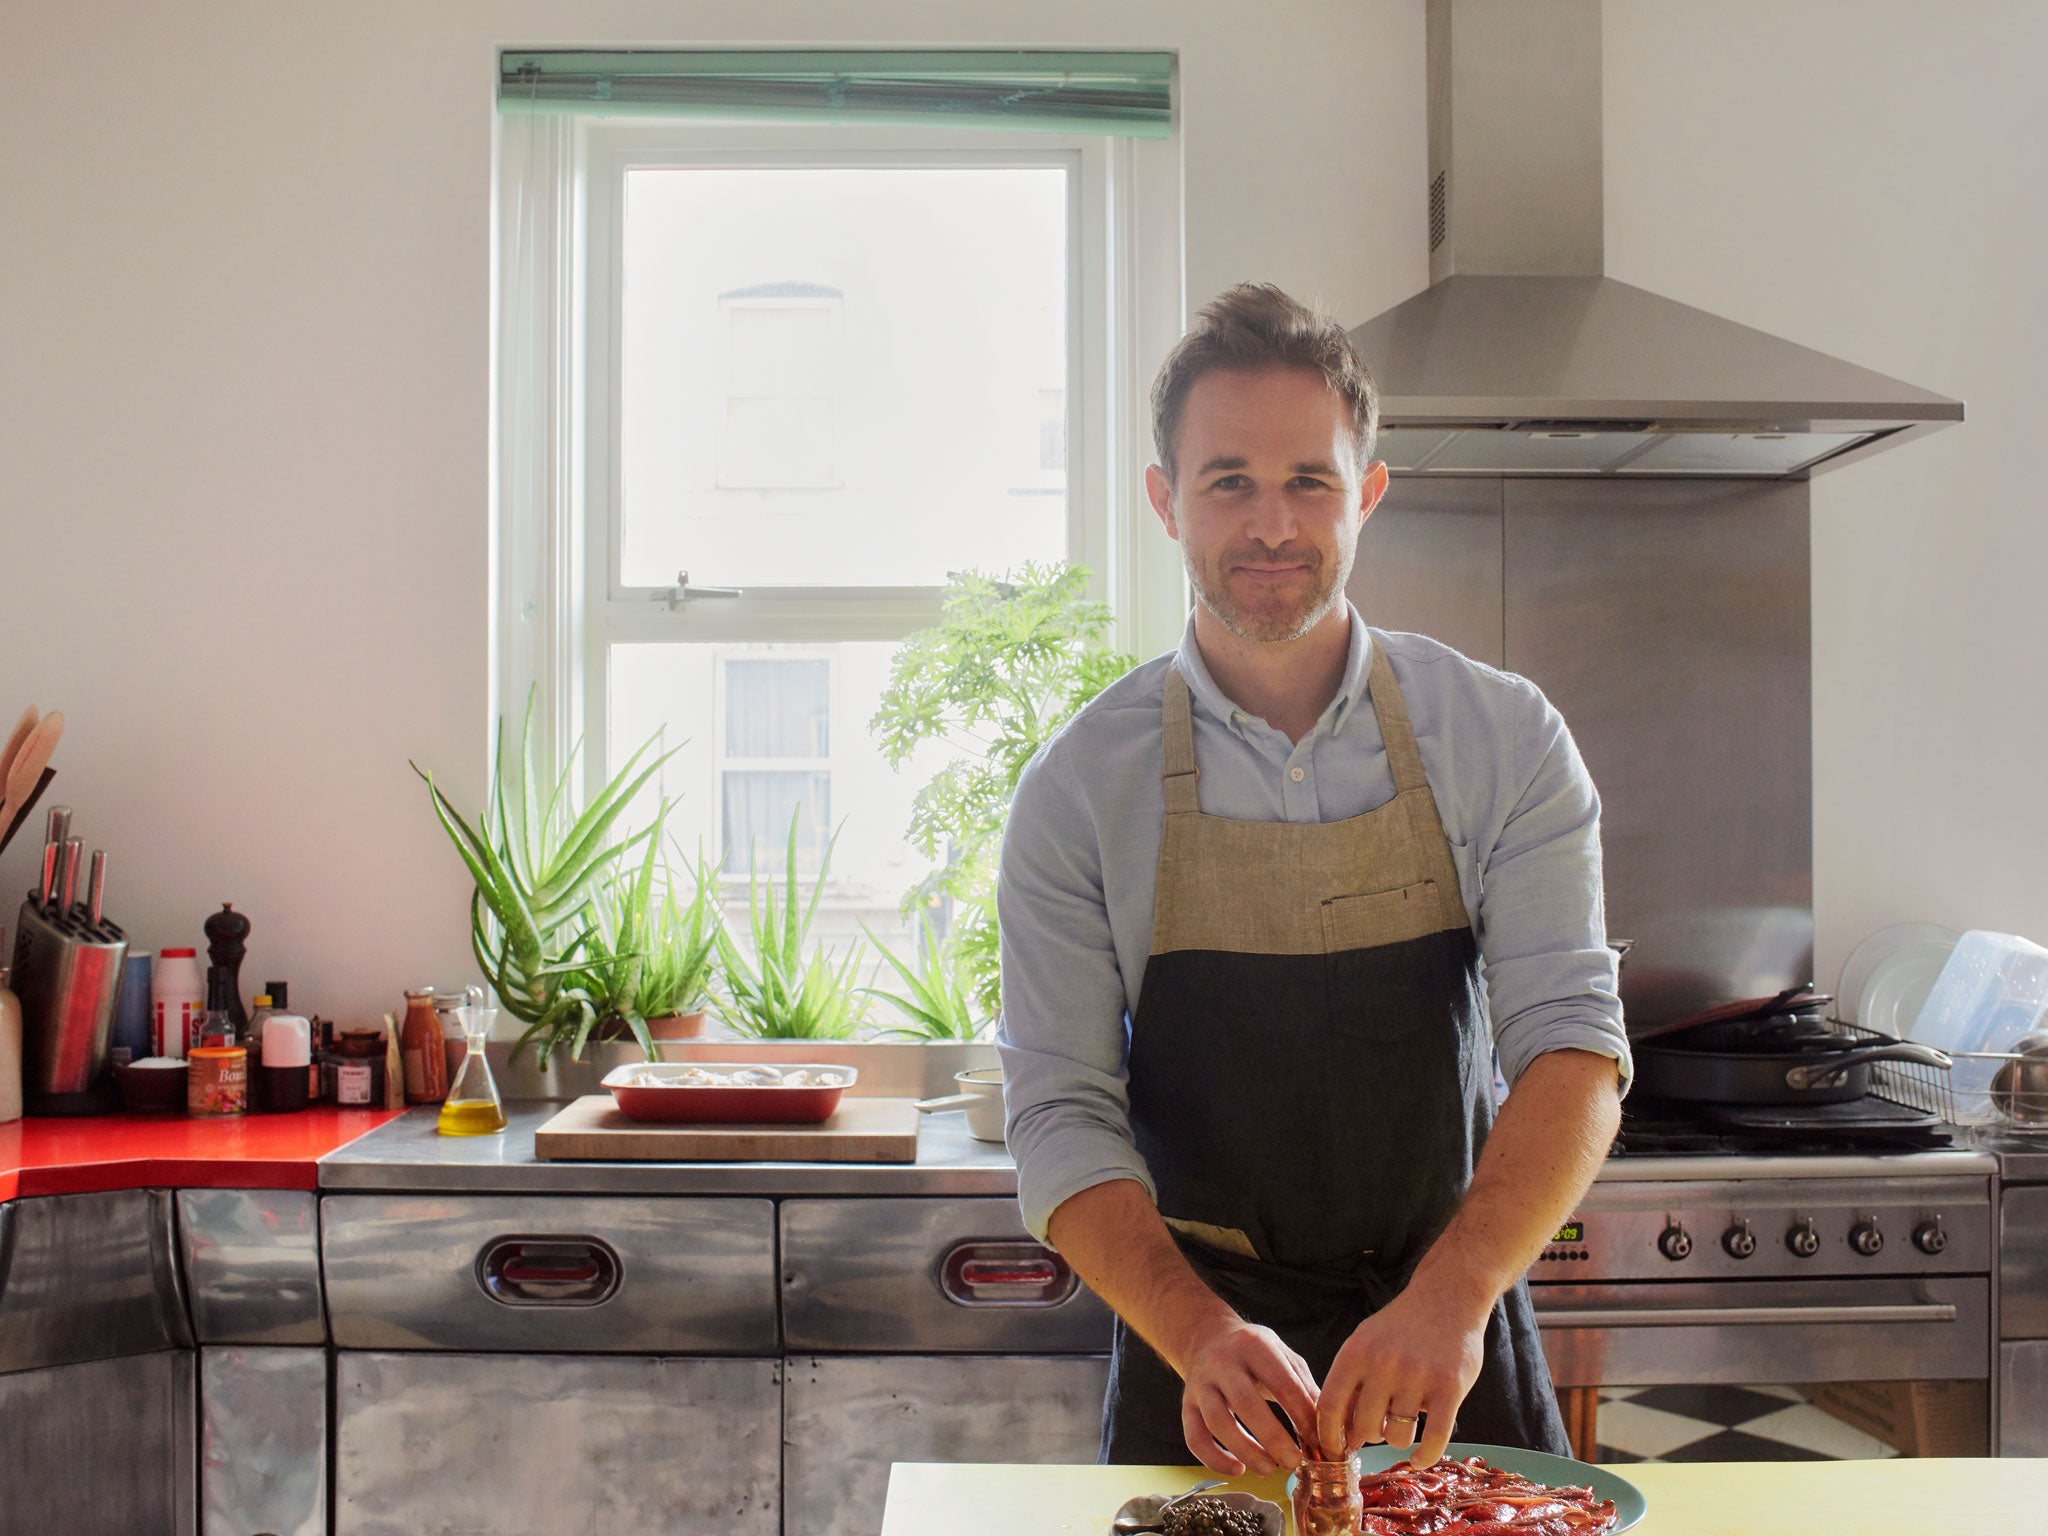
(548, 1271)
(1006, 1275)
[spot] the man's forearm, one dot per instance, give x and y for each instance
(1114, 1238)
(1543, 1152)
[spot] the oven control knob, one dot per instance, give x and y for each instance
(1739, 1241)
(1674, 1242)
(1803, 1239)
(1928, 1236)
(1866, 1239)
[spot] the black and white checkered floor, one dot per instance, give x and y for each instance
(1725, 1424)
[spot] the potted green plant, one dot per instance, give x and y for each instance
(789, 988)
(537, 915)
(1009, 662)
(935, 1000)
(682, 937)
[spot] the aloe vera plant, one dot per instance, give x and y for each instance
(934, 1001)
(681, 943)
(537, 920)
(789, 990)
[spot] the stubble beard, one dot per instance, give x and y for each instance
(1279, 617)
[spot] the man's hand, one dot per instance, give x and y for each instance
(1417, 1355)
(1232, 1379)
(1422, 1351)
(1231, 1371)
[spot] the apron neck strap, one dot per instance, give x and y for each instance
(1177, 736)
(1404, 759)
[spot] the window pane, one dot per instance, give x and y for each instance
(758, 806)
(777, 708)
(841, 376)
(761, 729)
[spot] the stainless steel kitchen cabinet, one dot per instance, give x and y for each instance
(562, 1445)
(534, 1365)
(846, 1418)
(641, 1275)
(104, 1446)
(88, 1277)
(926, 1330)
(262, 1441)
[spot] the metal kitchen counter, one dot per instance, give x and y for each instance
(409, 1154)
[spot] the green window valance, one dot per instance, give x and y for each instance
(1066, 92)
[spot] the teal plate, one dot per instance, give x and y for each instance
(1537, 1466)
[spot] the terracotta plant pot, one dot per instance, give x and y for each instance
(677, 1026)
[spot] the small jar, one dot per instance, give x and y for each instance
(1327, 1501)
(218, 1083)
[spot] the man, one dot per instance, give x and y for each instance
(1247, 898)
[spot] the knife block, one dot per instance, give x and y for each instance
(67, 984)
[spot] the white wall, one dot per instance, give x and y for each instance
(1869, 177)
(244, 436)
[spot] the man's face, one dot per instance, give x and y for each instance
(1268, 499)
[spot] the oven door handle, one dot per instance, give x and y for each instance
(1740, 1317)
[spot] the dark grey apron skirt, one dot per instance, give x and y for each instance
(1311, 1079)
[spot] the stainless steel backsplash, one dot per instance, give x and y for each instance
(1670, 623)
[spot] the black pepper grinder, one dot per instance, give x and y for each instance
(227, 933)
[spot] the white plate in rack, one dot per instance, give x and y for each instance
(1898, 986)
(1923, 940)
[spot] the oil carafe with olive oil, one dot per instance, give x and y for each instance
(473, 1107)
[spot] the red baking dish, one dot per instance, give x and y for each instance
(674, 1103)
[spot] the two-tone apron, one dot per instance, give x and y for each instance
(1311, 1078)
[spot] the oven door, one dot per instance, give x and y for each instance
(1650, 1333)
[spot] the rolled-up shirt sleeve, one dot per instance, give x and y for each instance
(1062, 1035)
(1551, 980)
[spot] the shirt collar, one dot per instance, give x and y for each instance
(1213, 701)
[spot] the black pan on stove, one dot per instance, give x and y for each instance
(1766, 1057)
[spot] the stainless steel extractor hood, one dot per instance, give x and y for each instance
(1523, 358)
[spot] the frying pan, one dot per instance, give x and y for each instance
(1780, 1058)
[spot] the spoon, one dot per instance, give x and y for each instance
(1129, 1522)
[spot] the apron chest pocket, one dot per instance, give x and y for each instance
(1382, 917)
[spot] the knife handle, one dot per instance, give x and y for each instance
(49, 882)
(67, 875)
(96, 887)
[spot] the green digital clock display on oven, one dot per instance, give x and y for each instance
(1571, 1232)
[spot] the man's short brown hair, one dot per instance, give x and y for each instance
(1255, 326)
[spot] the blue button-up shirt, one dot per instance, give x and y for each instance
(1081, 853)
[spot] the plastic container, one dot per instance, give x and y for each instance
(1993, 990)
(287, 1044)
(132, 1008)
(177, 1002)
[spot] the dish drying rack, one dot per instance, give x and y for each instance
(1994, 1106)
(1908, 1084)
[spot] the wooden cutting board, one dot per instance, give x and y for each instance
(858, 1131)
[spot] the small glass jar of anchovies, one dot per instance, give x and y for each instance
(1327, 1501)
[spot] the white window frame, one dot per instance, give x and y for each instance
(559, 605)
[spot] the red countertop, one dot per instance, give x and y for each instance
(71, 1156)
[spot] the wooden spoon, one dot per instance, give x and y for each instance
(15, 738)
(28, 763)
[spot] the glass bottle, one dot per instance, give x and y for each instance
(1327, 1501)
(473, 1107)
(219, 1026)
(419, 1042)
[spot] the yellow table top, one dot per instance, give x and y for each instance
(1751, 1498)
